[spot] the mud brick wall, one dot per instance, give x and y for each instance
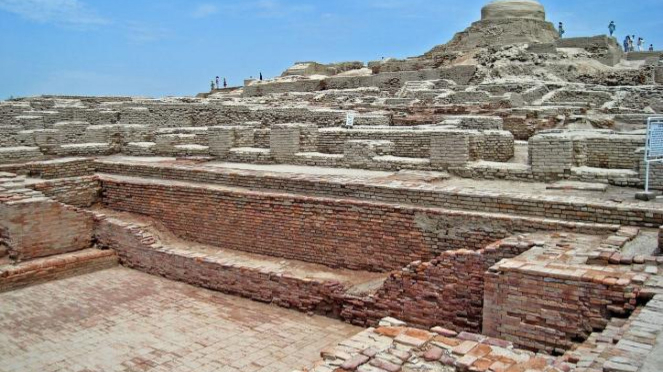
(498, 146)
(353, 235)
(450, 149)
(286, 140)
(410, 144)
(139, 250)
(490, 145)
(613, 152)
(550, 309)
(447, 291)
(38, 227)
(521, 127)
(55, 268)
(10, 155)
(510, 203)
(52, 169)
(551, 155)
(9, 134)
(77, 191)
(118, 133)
(337, 233)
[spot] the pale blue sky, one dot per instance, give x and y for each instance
(175, 47)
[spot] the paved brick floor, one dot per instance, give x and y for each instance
(124, 320)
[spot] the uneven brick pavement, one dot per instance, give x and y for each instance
(124, 320)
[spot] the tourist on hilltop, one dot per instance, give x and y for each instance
(651, 47)
(217, 82)
(640, 44)
(612, 27)
(627, 42)
(211, 85)
(561, 29)
(630, 44)
(225, 83)
(633, 41)
(261, 76)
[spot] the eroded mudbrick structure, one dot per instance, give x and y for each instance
(479, 214)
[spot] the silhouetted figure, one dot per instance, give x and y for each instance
(211, 85)
(633, 43)
(651, 47)
(612, 27)
(561, 29)
(225, 83)
(627, 42)
(261, 76)
(217, 82)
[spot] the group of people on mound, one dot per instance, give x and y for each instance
(630, 43)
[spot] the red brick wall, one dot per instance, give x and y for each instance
(447, 291)
(78, 191)
(139, 250)
(56, 268)
(355, 235)
(337, 233)
(551, 309)
(34, 228)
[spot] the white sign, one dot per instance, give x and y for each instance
(654, 145)
(350, 120)
(654, 140)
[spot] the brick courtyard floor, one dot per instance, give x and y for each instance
(124, 320)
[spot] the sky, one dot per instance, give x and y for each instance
(175, 47)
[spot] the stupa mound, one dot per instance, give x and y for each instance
(506, 9)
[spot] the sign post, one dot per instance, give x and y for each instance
(350, 120)
(654, 146)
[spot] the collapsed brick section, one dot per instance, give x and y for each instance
(546, 300)
(447, 291)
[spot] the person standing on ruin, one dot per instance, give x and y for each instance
(640, 44)
(626, 43)
(561, 29)
(612, 27)
(651, 47)
(633, 41)
(630, 44)
(217, 82)
(225, 83)
(261, 76)
(211, 85)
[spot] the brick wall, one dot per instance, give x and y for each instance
(502, 202)
(338, 233)
(550, 308)
(139, 250)
(38, 227)
(77, 191)
(447, 291)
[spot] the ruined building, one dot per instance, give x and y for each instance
(477, 215)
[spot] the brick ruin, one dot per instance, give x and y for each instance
(478, 216)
